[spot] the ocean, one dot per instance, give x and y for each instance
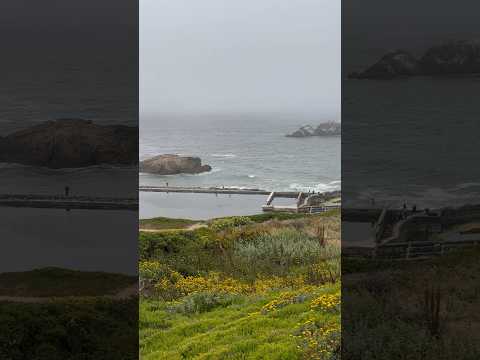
(244, 151)
(411, 140)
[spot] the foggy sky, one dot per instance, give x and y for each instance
(250, 55)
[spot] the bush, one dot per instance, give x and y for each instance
(157, 279)
(324, 272)
(282, 249)
(229, 222)
(203, 301)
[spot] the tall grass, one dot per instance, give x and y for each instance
(279, 250)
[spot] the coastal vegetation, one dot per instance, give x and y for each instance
(259, 287)
(53, 313)
(411, 309)
(81, 328)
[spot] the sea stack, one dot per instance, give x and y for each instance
(169, 164)
(71, 143)
(458, 57)
(324, 129)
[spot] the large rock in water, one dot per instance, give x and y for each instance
(173, 164)
(451, 58)
(393, 64)
(71, 143)
(454, 57)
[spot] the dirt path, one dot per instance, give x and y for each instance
(123, 294)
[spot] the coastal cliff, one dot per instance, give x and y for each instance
(450, 58)
(70, 143)
(173, 164)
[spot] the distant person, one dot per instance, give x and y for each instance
(166, 183)
(404, 206)
(414, 208)
(67, 190)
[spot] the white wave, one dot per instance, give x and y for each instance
(213, 171)
(421, 196)
(322, 187)
(251, 176)
(466, 185)
(224, 155)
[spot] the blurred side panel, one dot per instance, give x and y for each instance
(69, 179)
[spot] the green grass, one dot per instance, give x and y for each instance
(227, 332)
(161, 223)
(202, 298)
(62, 282)
(266, 216)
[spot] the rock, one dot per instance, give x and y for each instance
(304, 131)
(324, 129)
(451, 58)
(393, 64)
(67, 143)
(454, 57)
(173, 164)
(328, 129)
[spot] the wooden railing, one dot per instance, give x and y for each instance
(418, 249)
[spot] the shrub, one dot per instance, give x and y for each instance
(320, 340)
(203, 302)
(158, 279)
(157, 245)
(282, 249)
(229, 222)
(284, 299)
(327, 271)
(213, 282)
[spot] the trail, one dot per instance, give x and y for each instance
(123, 294)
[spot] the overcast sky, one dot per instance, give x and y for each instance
(249, 55)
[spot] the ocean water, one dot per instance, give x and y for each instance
(78, 83)
(244, 150)
(413, 140)
(89, 240)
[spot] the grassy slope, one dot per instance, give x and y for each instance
(226, 333)
(161, 223)
(229, 332)
(62, 282)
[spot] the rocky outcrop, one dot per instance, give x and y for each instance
(456, 57)
(304, 131)
(173, 164)
(450, 58)
(394, 64)
(67, 143)
(324, 129)
(328, 129)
